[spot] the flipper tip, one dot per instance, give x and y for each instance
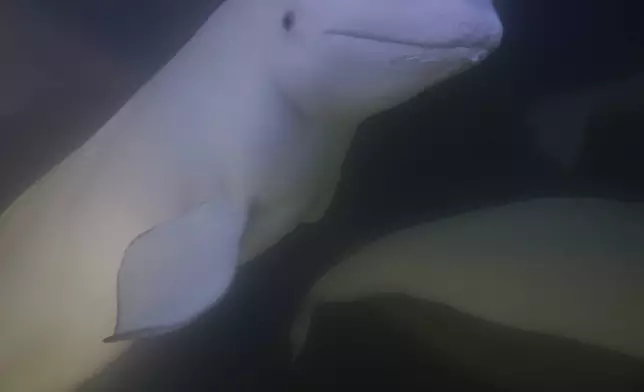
(137, 334)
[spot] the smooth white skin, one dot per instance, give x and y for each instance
(569, 267)
(246, 112)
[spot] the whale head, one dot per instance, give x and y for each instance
(353, 58)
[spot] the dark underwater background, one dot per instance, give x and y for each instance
(462, 145)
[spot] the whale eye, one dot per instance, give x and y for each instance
(288, 20)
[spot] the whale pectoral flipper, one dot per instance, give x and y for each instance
(174, 272)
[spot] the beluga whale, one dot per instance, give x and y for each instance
(536, 294)
(237, 140)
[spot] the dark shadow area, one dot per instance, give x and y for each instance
(405, 344)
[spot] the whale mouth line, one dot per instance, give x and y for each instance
(407, 42)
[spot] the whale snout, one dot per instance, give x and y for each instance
(471, 24)
(483, 31)
(429, 24)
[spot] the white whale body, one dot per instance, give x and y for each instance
(572, 268)
(236, 141)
